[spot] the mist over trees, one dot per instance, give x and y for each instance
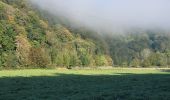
(111, 16)
(33, 37)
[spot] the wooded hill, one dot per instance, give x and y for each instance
(28, 40)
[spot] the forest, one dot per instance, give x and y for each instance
(33, 38)
(81, 50)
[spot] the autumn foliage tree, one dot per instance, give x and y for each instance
(38, 57)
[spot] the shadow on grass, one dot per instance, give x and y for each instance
(87, 87)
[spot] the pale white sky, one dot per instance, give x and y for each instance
(112, 14)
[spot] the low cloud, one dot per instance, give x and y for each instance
(111, 15)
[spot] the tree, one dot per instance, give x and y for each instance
(146, 63)
(9, 60)
(59, 60)
(2, 17)
(135, 62)
(85, 59)
(74, 60)
(66, 59)
(63, 34)
(101, 60)
(23, 49)
(145, 53)
(38, 57)
(109, 60)
(167, 53)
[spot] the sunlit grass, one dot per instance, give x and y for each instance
(54, 72)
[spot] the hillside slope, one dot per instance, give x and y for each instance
(27, 40)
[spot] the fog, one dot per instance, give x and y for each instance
(111, 15)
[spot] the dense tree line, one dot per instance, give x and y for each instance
(141, 50)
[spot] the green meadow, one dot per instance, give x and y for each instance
(93, 84)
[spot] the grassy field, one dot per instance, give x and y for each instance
(62, 84)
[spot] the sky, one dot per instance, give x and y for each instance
(111, 15)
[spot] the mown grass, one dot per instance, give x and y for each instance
(94, 84)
